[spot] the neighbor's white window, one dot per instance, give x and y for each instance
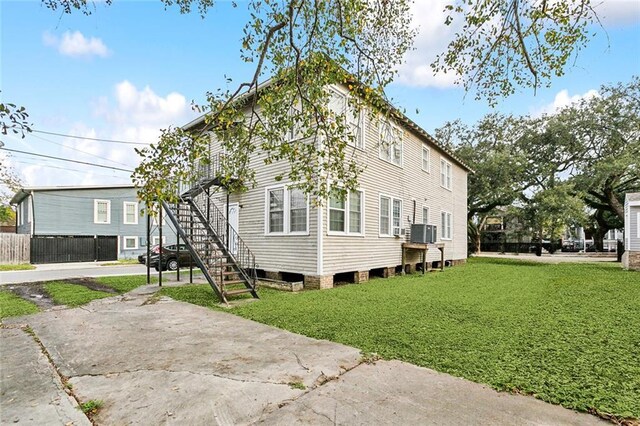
(391, 142)
(445, 173)
(287, 211)
(130, 243)
(101, 211)
(426, 159)
(130, 213)
(425, 215)
(445, 225)
(638, 223)
(346, 214)
(390, 215)
(343, 105)
(155, 240)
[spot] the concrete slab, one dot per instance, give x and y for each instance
(31, 392)
(144, 360)
(397, 393)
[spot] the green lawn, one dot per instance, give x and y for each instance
(12, 305)
(568, 334)
(63, 293)
(17, 267)
(123, 284)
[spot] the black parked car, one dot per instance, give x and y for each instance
(143, 257)
(171, 257)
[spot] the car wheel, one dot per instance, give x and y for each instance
(172, 264)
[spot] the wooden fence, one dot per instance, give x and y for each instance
(15, 248)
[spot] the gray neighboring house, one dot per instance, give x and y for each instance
(104, 210)
(631, 256)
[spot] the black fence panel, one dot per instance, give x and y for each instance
(73, 248)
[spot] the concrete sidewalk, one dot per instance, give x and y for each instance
(160, 361)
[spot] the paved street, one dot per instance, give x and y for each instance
(160, 361)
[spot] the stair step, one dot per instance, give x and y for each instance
(231, 282)
(227, 273)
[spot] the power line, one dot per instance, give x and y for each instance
(66, 169)
(89, 139)
(81, 151)
(65, 159)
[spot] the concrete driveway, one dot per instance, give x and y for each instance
(59, 271)
(158, 361)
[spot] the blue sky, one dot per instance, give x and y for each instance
(131, 68)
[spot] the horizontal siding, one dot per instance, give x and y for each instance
(350, 253)
(634, 228)
(285, 253)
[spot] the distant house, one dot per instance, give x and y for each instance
(110, 215)
(410, 178)
(631, 256)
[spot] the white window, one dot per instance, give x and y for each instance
(155, 240)
(391, 142)
(426, 159)
(130, 243)
(390, 216)
(425, 215)
(638, 223)
(101, 211)
(295, 132)
(343, 105)
(445, 173)
(346, 215)
(445, 226)
(287, 211)
(130, 210)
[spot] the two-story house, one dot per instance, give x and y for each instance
(409, 178)
(631, 256)
(111, 214)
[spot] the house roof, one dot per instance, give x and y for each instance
(22, 193)
(406, 121)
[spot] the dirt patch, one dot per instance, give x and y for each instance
(36, 293)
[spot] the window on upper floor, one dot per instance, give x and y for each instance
(390, 142)
(426, 159)
(344, 105)
(102, 211)
(390, 216)
(287, 211)
(445, 225)
(346, 215)
(425, 215)
(445, 173)
(130, 212)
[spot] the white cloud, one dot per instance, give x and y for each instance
(75, 44)
(432, 39)
(616, 13)
(561, 100)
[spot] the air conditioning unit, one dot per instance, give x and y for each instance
(423, 234)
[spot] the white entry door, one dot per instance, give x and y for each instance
(234, 216)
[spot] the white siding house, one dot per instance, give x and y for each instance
(631, 256)
(414, 180)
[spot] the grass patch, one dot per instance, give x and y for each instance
(91, 407)
(121, 262)
(72, 294)
(297, 385)
(126, 283)
(565, 333)
(17, 267)
(13, 306)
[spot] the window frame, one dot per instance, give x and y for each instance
(426, 221)
(347, 216)
(428, 150)
(358, 117)
(130, 237)
(446, 231)
(95, 212)
(447, 173)
(124, 212)
(381, 125)
(391, 216)
(286, 219)
(155, 240)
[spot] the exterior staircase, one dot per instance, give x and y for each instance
(216, 248)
